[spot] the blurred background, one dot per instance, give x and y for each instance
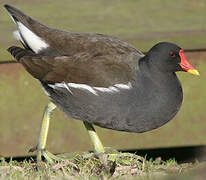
(141, 23)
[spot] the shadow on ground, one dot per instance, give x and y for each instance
(182, 154)
(185, 154)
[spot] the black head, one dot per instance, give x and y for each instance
(168, 57)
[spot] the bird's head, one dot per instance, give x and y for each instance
(169, 57)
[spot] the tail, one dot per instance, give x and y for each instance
(30, 32)
(38, 66)
(18, 16)
(18, 52)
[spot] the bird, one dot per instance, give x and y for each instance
(99, 79)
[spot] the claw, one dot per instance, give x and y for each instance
(49, 157)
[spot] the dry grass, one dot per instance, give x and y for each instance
(104, 166)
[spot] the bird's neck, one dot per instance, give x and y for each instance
(148, 69)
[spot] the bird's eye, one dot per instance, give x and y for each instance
(171, 54)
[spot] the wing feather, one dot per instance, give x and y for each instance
(81, 68)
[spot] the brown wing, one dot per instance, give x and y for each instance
(94, 69)
(92, 59)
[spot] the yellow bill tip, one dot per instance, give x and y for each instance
(194, 72)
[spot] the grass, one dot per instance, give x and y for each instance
(91, 166)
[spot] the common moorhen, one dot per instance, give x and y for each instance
(100, 79)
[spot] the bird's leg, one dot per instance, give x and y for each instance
(44, 132)
(40, 148)
(113, 154)
(98, 147)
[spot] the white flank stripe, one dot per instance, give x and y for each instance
(60, 85)
(56, 85)
(103, 89)
(34, 42)
(67, 87)
(114, 89)
(110, 89)
(124, 86)
(83, 86)
(93, 90)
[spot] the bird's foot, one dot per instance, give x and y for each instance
(49, 157)
(113, 154)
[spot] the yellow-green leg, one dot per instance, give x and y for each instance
(44, 133)
(98, 147)
(40, 148)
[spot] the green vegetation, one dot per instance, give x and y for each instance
(91, 166)
(22, 100)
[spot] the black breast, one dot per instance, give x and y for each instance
(145, 106)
